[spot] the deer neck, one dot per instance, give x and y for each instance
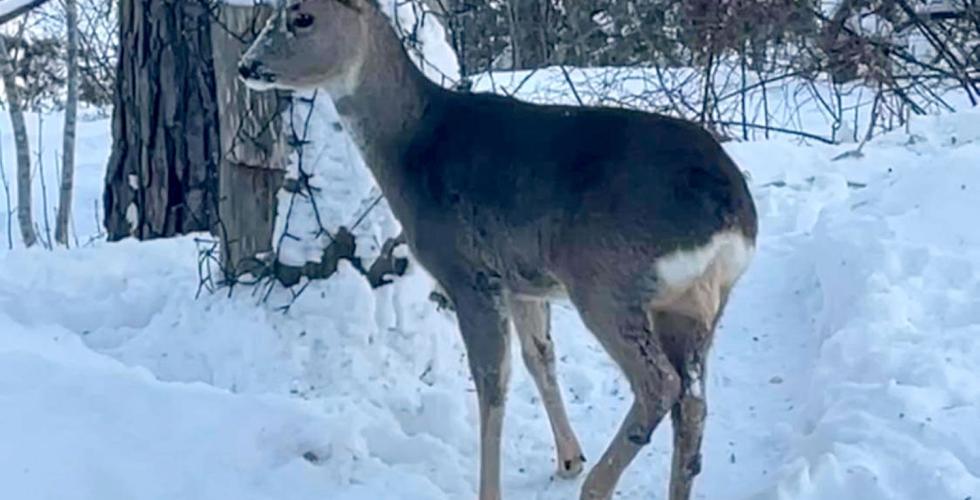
(388, 102)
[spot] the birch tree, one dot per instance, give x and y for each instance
(71, 108)
(24, 218)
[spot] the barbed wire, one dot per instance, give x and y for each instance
(269, 271)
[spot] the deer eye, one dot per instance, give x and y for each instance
(303, 21)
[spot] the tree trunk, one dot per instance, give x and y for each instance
(22, 145)
(253, 149)
(71, 108)
(162, 176)
(529, 33)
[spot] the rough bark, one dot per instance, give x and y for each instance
(71, 109)
(253, 150)
(24, 218)
(162, 174)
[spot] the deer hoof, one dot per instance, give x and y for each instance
(569, 468)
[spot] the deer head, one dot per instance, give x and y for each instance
(309, 44)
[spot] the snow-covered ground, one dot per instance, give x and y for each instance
(845, 367)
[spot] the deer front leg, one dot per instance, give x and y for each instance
(484, 324)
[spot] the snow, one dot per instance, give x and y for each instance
(433, 53)
(845, 367)
(9, 6)
(336, 194)
(93, 142)
(888, 406)
(103, 430)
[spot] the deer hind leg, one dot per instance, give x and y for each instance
(687, 340)
(532, 320)
(626, 331)
(687, 331)
(485, 327)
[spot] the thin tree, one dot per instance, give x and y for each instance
(71, 109)
(21, 144)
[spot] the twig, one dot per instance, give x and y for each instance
(745, 128)
(765, 108)
(360, 219)
(968, 85)
(6, 197)
(767, 128)
(44, 187)
(571, 85)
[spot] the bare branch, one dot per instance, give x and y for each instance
(10, 9)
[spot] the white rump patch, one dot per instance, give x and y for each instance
(730, 251)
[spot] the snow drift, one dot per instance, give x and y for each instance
(845, 367)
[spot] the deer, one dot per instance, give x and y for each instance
(640, 220)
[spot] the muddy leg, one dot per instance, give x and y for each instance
(626, 332)
(532, 322)
(687, 340)
(688, 419)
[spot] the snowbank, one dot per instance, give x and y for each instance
(76, 424)
(891, 408)
(206, 398)
(845, 367)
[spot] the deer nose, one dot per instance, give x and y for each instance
(249, 69)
